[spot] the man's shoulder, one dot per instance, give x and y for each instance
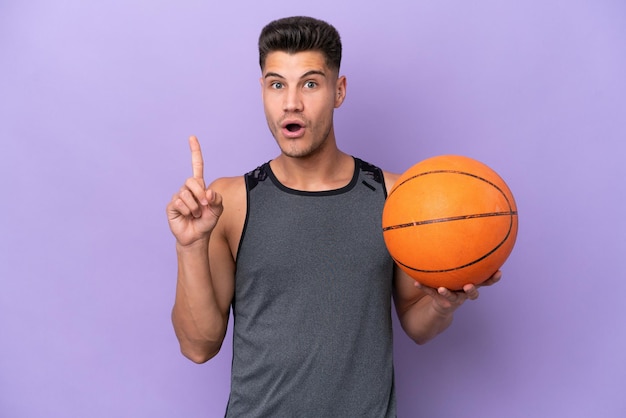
(228, 185)
(390, 179)
(233, 192)
(237, 184)
(378, 173)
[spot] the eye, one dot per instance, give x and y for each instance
(310, 84)
(277, 85)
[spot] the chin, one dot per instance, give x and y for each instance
(297, 153)
(301, 153)
(294, 148)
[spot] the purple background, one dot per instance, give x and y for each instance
(97, 100)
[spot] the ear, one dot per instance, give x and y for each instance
(340, 91)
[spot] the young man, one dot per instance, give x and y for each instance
(296, 248)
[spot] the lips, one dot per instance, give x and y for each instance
(292, 128)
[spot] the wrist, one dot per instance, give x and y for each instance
(441, 311)
(201, 244)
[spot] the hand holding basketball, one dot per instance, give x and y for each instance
(446, 301)
(193, 211)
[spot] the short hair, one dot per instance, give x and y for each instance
(299, 34)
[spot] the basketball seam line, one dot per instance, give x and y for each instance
(446, 171)
(449, 219)
(449, 171)
(508, 234)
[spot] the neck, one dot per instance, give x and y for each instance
(319, 172)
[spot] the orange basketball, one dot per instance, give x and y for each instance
(449, 221)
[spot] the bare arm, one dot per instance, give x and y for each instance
(202, 304)
(425, 312)
(205, 280)
(417, 315)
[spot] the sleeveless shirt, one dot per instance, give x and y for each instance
(312, 334)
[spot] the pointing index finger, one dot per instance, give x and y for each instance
(197, 163)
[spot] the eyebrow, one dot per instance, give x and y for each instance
(307, 74)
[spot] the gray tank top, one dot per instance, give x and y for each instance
(312, 307)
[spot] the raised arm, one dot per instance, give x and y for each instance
(206, 266)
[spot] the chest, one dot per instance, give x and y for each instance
(334, 241)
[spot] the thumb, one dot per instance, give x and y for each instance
(214, 200)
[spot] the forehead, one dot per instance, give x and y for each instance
(284, 63)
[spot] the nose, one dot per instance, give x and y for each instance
(292, 101)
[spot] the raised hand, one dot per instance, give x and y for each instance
(193, 211)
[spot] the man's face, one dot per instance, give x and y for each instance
(299, 94)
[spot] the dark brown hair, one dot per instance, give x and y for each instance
(299, 34)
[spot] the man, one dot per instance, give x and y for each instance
(296, 248)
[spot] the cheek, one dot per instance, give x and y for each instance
(269, 108)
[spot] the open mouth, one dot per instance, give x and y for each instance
(293, 127)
